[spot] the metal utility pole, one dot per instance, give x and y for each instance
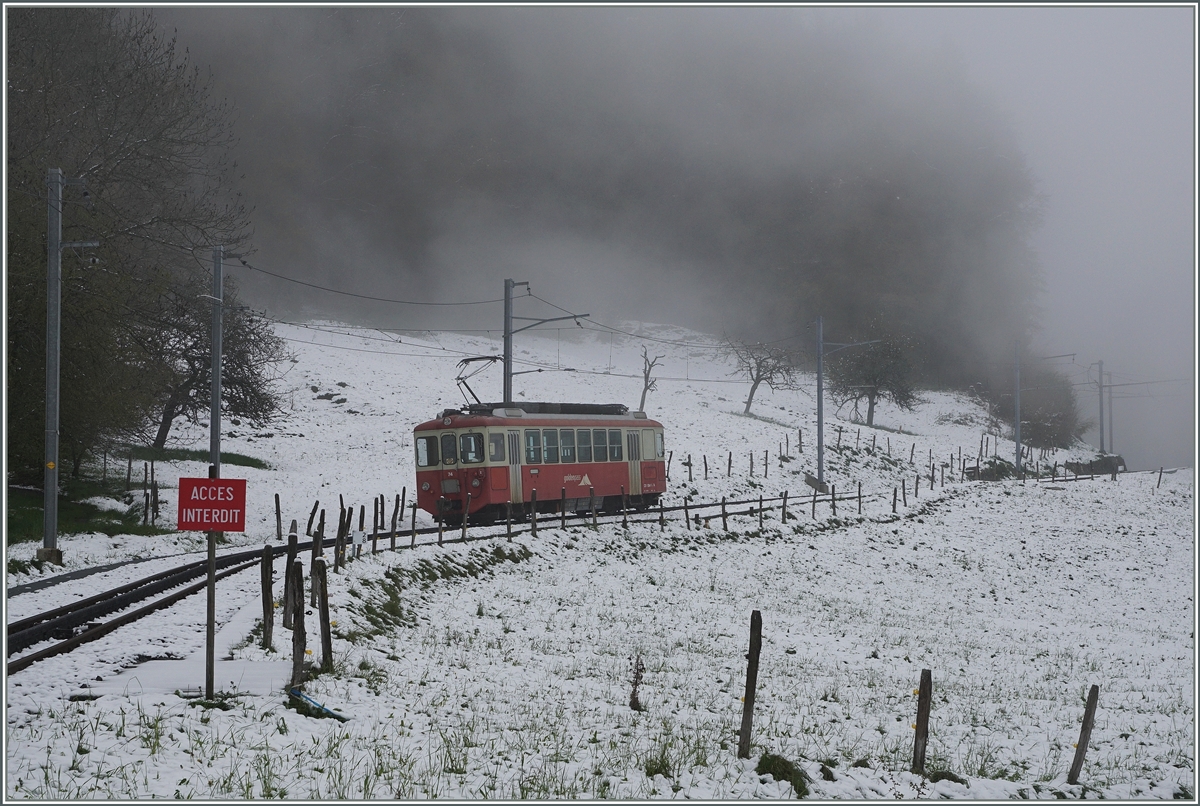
(1101, 363)
(54, 246)
(214, 470)
(1111, 445)
(509, 285)
(1017, 405)
(820, 403)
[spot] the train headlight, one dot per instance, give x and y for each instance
(425, 487)
(474, 482)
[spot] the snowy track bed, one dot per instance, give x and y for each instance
(515, 681)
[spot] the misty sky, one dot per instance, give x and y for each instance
(1099, 100)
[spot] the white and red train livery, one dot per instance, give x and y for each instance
(500, 454)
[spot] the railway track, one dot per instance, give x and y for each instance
(74, 624)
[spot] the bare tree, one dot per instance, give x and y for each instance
(873, 372)
(762, 363)
(648, 384)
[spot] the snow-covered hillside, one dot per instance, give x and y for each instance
(515, 681)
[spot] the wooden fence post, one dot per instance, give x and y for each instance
(893, 500)
(800, 443)
(288, 592)
(724, 515)
(729, 466)
(860, 498)
(760, 513)
(751, 464)
(814, 504)
(783, 513)
(857, 437)
(396, 514)
(299, 638)
(532, 512)
(670, 456)
(624, 509)
(1085, 735)
(662, 520)
(466, 517)
(278, 520)
(751, 684)
(924, 698)
(376, 523)
(311, 515)
(687, 517)
(321, 582)
(912, 452)
(268, 596)
(413, 542)
(833, 498)
(838, 447)
(706, 468)
(903, 492)
(1160, 472)
(441, 510)
(317, 547)
(689, 467)
(362, 515)
(766, 463)
(916, 486)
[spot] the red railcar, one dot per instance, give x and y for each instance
(499, 455)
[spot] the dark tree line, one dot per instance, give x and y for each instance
(102, 94)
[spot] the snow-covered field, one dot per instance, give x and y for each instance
(504, 669)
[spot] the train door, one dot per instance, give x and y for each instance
(649, 467)
(633, 453)
(514, 467)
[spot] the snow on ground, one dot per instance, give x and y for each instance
(502, 669)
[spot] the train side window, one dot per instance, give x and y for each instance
(550, 443)
(659, 448)
(584, 446)
(448, 449)
(614, 445)
(566, 441)
(496, 447)
(533, 447)
(427, 451)
(600, 445)
(470, 448)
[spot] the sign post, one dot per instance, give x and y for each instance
(212, 505)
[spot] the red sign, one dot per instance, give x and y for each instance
(212, 505)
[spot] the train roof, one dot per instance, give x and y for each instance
(485, 413)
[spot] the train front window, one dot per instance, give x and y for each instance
(448, 449)
(533, 447)
(584, 446)
(614, 445)
(550, 441)
(600, 445)
(496, 447)
(659, 450)
(427, 451)
(470, 448)
(566, 442)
